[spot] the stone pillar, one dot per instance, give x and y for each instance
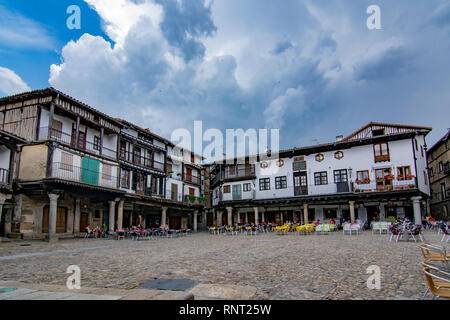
(76, 226)
(17, 214)
(256, 215)
(112, 212)
(262, 217)
(52, 217)
(230, 215)
(2, 202)
(239, 217)
(120, 215)
(164, 216)
(246, 218)
(382, 212)
(218, 218)
(352, 211)
(195, 220)
(417, 205)
(305, 213)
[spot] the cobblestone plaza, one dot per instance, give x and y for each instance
(330, 266)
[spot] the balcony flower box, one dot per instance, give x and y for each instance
(358, 181)
(400, 177)
(390, 177)
(366, 181)
(409, 177)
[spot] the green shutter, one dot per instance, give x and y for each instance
(90, 171)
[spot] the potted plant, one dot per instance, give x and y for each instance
(366, 181)
(410, 176)
(358, 181)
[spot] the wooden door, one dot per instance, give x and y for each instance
(174, 189)
(175, 223)
(84, 221)
(210, 220)
(300, 183)
(61, 220)
(189, 175)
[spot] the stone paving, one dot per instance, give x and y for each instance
(330, 266)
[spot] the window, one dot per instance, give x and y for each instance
(425, 176)
(441, 167)
(381, 151)
(431, 172)
(299, 164)
(404, 173)
(106, 173)
(362, 177)
(339, 155)
(56, 129)
(97, 143)
(340, 176)
(280, 183)
(247, 187)
(264, 184)
(320, 157)
(66, 162)
(384, 179)
(125, 178)
(320, 178)
(232, 170)
(443, 195)
(123, 150)
(192, 158)
(378, 132)
(226, 189)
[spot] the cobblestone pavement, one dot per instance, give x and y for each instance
(330, 266)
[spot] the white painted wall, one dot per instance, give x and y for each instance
(5, 155)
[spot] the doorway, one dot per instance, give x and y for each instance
(61, 220)
(84, 221)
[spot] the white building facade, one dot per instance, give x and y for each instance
(376, 172)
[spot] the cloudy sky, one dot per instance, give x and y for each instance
(310, 68)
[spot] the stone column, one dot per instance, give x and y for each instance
(256, 215)
(17, 212)
(120, 214)
(219, 218)
(76, 226)
(305, 213)
(112, 212)
(246, 218)
(52, 217)
(262, 217)
(195, 220)
(164, 216)
(417, 205)
(230, 215)
(352, 211)
(2, 202)
(239, 217)
(382, 212)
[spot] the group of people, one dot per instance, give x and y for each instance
(97, 232)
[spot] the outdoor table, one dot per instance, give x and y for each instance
(120, 234)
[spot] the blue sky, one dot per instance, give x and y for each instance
(310, 68)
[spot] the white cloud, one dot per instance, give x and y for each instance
(11, 83)
(17, 31)
(291, 103)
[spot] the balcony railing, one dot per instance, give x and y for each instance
(395, 186)
(140, 160)
(240, 173)
(192, 179)
(4, 176)
(194, 200)
(83, 175)
(69, 139)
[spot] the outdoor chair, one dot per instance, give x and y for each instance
(416, 231)
(438, 283)
(435, 253)
(395, 232)
(446, 233)
(435, 287)
(88, 234)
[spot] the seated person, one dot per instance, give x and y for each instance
(317, 222)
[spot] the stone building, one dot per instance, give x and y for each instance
(439, 171)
